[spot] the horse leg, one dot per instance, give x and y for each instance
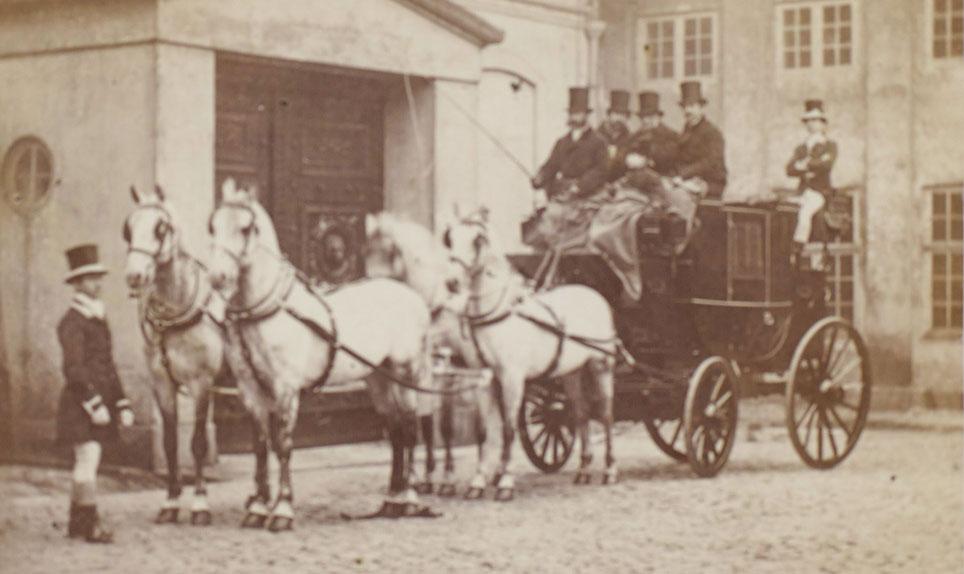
(257, 504)
(283, 514)
(200, 511)
(166, 397)
(512, 386)
(603, 376)
(427, 427)
(486, 421)
(580, 413)
(447, 488)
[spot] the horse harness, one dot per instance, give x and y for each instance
(277, 301)
(162, 319)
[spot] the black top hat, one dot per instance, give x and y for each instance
(813, 110)
(618, 102)
(649, 104)
(691, 92)
(83, 260)
(579, 100)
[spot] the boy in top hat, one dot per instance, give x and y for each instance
(615, 132)
(811, 163)
(93, 402)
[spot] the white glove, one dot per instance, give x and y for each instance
(539, 199)
(100, 416)
(127, 417)
(635, 161)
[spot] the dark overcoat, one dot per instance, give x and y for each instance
(617, 137)
(819, 159)
(660, 145)
(584, 161)
(701, 154)
(89, 371)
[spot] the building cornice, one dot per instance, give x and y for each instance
(461, 19)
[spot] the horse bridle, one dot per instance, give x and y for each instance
(163, 229)
(239, 258)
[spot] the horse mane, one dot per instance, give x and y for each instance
(268, 237)
(424, 258)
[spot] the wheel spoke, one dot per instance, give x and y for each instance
(839, 357)
(539, 435)
(676, 433)
(846, 370)
(809, 426)
(828, 348)
(717, 385)
(555, 449)
(721, 402)
(829, 426)
(840, 422)
(819, 441)
(545, 447)
(806, 413)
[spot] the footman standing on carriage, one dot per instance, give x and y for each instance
(93, 401)
(615, 131)
(701, 166)
(811, 162)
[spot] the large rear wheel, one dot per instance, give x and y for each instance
(545, 425)
(710, 416)
(667, 435)
(828, 393)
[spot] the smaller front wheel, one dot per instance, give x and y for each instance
(545, 425)
(710, 416)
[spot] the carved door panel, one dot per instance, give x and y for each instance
(312, 142)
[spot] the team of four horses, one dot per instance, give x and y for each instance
(280, 336)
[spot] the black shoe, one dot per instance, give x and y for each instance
(75, 527)
(93, 530)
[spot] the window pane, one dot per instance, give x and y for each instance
(690, 67)
(845, 13)
(940, 6)
(958, 5)
(957, 26)
(789, 17)
(804, 16)
(939, 291)
(940, 27)
(706, 67)
(805, 38)
(940, 316)
(829, 58)
(690, 47)
(957, 261)
(956, 317)
(846, 291)
(668, 28)
(706, 26)
(668, 69)
(652, 29)
(844, 56)
(829, 14)
(957, 202)
(940, 49)
(706, 47)
(690, 27)
(789, 39)
(956, 234)
(829, 35)
(805, 59)
(956, 292)
(653, 70)
(667, 52)
(939, 265)
(846, 265)
(789, 60)
(845, 35)
(957, 47)
(939, 205)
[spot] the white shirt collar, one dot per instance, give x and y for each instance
(814, 139)
(88, 307)
(577, 133)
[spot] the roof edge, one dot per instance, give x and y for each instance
(462, 19)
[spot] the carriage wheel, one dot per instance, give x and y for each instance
(828, 393)
(710, 417)
(545, 426)
(668, 436)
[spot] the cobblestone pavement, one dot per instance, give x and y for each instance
(894, 506)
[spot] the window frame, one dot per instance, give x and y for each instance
(930, 13)
(933, 247)
(817, 44)
(679, 46)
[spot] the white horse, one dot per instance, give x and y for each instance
(283, 338)
(183, 341)
(406, 251)
(564, 332)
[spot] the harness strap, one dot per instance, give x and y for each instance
(560, 332)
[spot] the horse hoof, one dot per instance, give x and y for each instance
(254, 520)
(280, 524)
(474, 493)
(610, 479)
(505, 494)
(446, 490)
(424, 488)
(582, 479)
(166, 516)
(201, 518)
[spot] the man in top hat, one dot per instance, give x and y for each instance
(615, 132)
(811, 162)
(577, 166)
(654, 143)
(700, 160)
(93, 401)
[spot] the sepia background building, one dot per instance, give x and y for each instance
(336, 108)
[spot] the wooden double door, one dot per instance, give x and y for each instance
(311, 140)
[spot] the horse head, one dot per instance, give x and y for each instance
(150, 232)
(471, 246)
(239, 228)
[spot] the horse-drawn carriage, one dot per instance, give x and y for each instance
(736, 311)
